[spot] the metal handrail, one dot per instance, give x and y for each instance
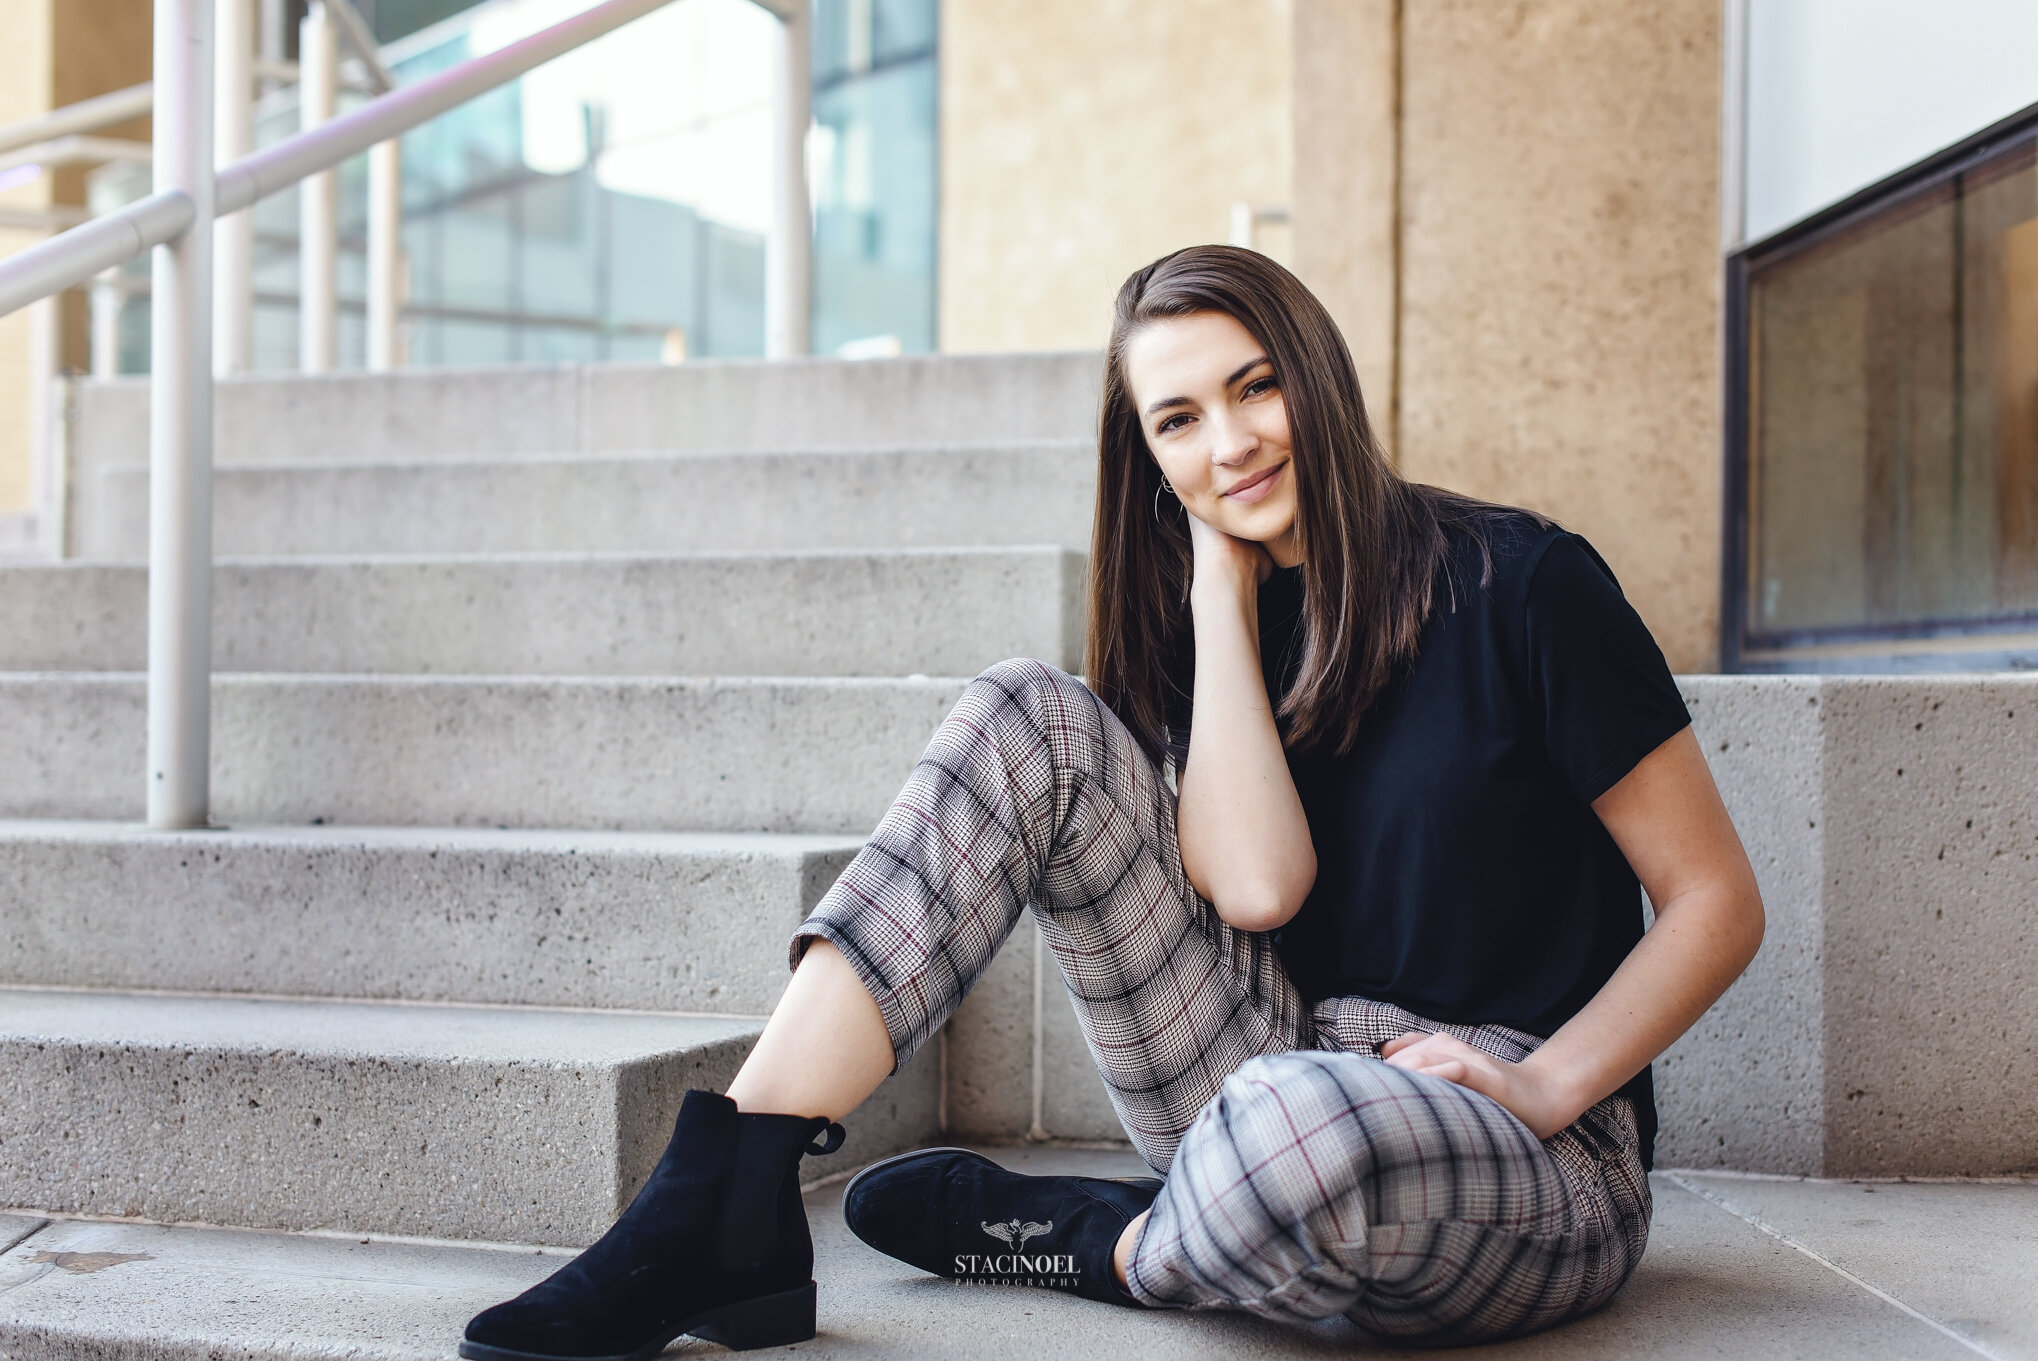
(87, 115)
(65, 261)
(180, 219)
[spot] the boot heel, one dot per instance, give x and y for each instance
(767, 1321)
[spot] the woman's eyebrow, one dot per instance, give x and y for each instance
(1241, 371)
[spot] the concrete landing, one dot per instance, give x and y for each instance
(1736, 1268)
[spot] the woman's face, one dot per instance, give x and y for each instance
(1210, 404)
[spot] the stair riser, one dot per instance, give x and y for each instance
(509, 1151)
(390, 915)
(877, 614)
(1038, 494)
(824, 756)
(566, 408)
(525, 1127)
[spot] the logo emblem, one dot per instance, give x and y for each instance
(1016, 1233)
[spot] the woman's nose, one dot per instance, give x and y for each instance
(1232, 446)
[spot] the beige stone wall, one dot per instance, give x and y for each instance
(1560, 274)
(1082, 138)
(53, 53)
(1346, 215)
(24, 92)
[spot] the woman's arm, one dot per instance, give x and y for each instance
(1245, 840)
(1668, 820)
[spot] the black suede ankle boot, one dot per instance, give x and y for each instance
(960, 1215)
(715, 1245)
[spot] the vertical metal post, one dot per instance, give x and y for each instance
(45, 345)
(180, 429)
(318, 84)
(788, 248)
(1241, 225)
(385, 254)
(233, 126)
(108, 301)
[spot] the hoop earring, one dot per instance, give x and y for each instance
(1157, 502)
(1169, 485)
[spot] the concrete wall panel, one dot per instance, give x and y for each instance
(1081, 139)
(1347, 173)
(1559, 169)
(1931, 947)
(1743, 1089)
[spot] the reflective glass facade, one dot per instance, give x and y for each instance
(612, 204)
(872, 160)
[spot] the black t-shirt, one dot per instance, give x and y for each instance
(1461, 872)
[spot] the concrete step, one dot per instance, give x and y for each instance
(596, 408)
(861, 613)
(921, 497)
(658, 921)
(1719, 1279)
(452, 1122)
(793, 755)
(501, 1124)
(663, 921)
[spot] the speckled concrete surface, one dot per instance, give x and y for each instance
(1713, 1285)
(454, 1122)
(662, 921)
(938, 612)
(748, 755)
(1886, 1028)
(713, 404)
(1035, 493)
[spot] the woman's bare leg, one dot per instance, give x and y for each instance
(825, 1047)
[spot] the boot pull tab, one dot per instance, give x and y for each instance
(829, 1142)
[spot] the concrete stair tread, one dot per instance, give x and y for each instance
(383, 1030)
(666, 921)
(501, 1124)
(810, 612)
(787, 754)
(703, 404)
(588, 841)
(451, 1122)
(923, 496)
(486, 458)
(1712, 1284)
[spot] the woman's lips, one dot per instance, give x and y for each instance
(1257, 487)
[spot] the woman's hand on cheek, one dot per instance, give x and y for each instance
(1221, 555)
(1529, 1095)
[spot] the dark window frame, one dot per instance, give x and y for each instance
(2003, 642)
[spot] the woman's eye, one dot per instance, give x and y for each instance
(1171, 423)
(1260, 385)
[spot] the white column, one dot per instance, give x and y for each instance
(385, 254)
(1241, 225)
(788, 250)
(45, 345)
(180, 429)
(233, 136)
(318, 84)
(108, 301)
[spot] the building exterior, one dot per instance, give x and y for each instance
(1550, 232)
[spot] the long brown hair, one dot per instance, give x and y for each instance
(1372, 544)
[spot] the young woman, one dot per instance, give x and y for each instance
(1371, 991)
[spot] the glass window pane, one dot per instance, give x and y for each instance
(1893, 384)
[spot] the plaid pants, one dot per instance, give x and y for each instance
(1305, 1177)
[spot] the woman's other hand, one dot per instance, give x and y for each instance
(1530, 1096)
